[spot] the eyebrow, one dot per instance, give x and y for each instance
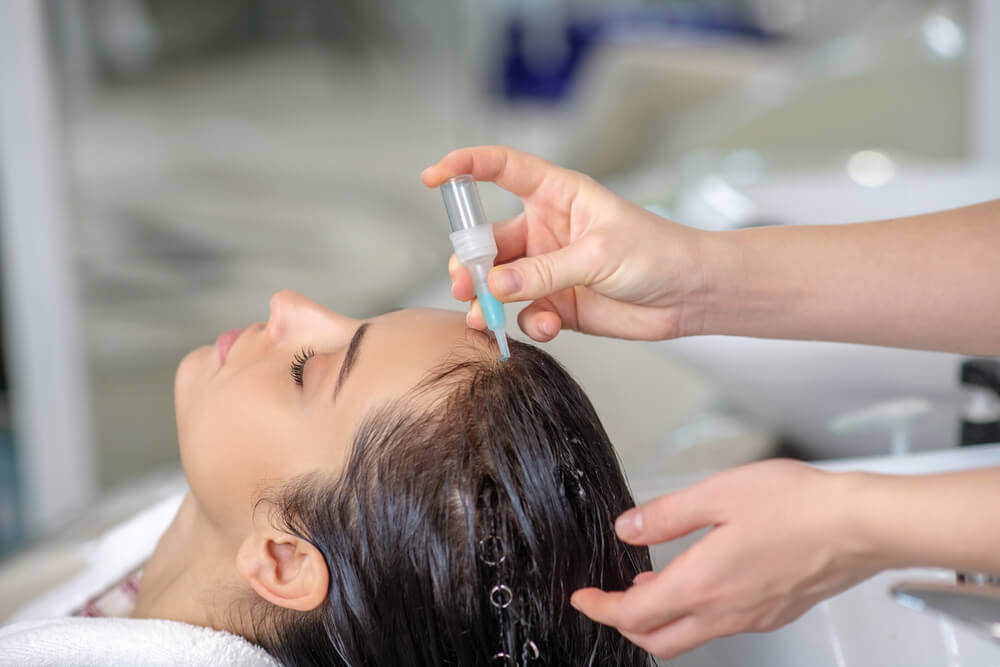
(350, 358)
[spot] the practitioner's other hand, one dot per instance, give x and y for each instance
(779, 542)
(586, 258)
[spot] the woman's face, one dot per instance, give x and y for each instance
(244, 422)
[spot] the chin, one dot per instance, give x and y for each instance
(192, 371)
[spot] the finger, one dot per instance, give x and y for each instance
(603, 315)
(540, 321)
(474, 318)
(461, 281)
(530, 278)
(642, 608)
(671, 640)
(516, 172)
(666, 518)
(604, 607)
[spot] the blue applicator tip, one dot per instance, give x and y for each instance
(501, 337)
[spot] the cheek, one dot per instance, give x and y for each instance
(230, 448)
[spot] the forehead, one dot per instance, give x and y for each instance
(426, 335)
(399, 348)
(395, 355)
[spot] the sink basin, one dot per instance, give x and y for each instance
(800, 386)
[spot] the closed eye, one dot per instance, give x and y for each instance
(298, 366)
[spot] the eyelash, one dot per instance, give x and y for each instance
(299, 364)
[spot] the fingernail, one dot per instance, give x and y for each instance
(506, 282)
(545, 328)
(572, 602)
(629, 524)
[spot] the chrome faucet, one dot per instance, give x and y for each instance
(975, 605)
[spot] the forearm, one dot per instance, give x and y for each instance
(947, 520)
(926, 282)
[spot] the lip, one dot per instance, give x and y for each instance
(225, 342)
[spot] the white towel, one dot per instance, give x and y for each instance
(42, 634)
(113, 642)
(109, 559)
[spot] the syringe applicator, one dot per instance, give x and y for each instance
(472, 237)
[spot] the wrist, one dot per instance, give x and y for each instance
(707, 256)
(867, 501)
(751, 286)
(714, 303)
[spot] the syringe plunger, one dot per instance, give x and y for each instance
(462, 203)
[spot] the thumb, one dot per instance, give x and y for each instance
(665, 518)
(530, 278)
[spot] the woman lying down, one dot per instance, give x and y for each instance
(387, 492)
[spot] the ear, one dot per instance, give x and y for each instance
(283, 569)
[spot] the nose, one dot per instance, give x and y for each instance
(293, 317)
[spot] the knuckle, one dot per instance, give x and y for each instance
(663, 648)
(759, 623)
(632, 621)
(766, 620)
(697, 594)
(544, 271)
(672, 644)
(582, 178)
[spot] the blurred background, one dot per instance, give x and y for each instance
(169, 164)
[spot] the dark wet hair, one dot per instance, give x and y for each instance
(502, 487)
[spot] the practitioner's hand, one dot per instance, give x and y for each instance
(586, 258)
(779, 543)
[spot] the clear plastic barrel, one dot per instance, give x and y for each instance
(462, 203)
